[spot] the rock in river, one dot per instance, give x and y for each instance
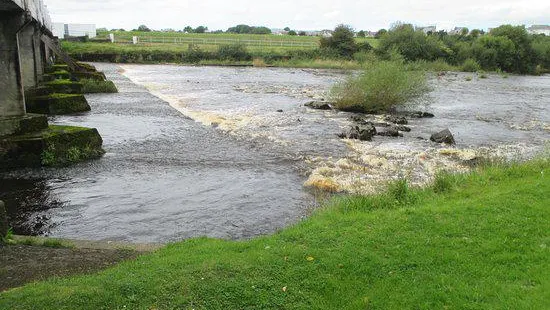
(392, 131)
(444, 136)
(361, 132)
(319, 105)
(396, 120)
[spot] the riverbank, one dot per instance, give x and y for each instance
(211, 56)
(29, 259)
(477, 240)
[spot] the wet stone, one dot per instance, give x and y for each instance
(391, 131)
(361, 132)
(318, 105)
(444, 136)
(420, 114)
(396, 120)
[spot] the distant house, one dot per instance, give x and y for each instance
(62, 31)
(428, 29)
(371, 34)
(539, 29)
(279, 32)
(457, 30)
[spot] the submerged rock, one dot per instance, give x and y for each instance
(391, 131)
(420, 114)
(400, 120)
(318, 105)
(444, 136)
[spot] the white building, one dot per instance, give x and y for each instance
(58, 30)
(428, 29)
(61, 30)
(539, 29)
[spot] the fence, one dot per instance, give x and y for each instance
(216, 41)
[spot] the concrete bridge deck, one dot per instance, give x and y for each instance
(35, 8)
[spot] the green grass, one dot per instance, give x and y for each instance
(477, 241)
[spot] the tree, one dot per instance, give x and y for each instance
(475, 33)
(302, 33)
(201, 29)
(188, 29)
(342, 41)
(380, 33)
(361, 34)
(412, 44)
(292, 33)
(143, 28)
(287, 29)
(525, 57)
(240, 29)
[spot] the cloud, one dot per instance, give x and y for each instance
(307, 14)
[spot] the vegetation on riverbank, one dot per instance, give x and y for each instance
(507, 48)
(474, 241)
(382, 87)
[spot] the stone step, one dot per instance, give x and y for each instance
(54, 146)
(58, 104)
(22, 124)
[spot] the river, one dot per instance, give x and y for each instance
(225, 152)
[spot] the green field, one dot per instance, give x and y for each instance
(476, 241)
(215, 39)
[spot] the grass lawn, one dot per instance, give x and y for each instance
(477, 241)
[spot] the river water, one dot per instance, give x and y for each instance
(226, 152)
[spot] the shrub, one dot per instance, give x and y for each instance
(382, 87)
(470, 65)
(236, 52)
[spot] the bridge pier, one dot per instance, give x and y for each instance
(12, 101)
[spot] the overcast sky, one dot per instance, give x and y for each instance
(299, 14)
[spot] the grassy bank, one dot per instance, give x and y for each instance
(477, 241)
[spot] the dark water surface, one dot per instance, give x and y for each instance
(224, 161)
(164, 178)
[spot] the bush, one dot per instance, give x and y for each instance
(382, 87)
(236, 52)
(470, 65)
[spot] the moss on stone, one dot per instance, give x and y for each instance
(54, 146)
(58, 104)
(65, 86)
(91, 86)
(57, 67)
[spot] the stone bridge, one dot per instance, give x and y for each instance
(25, 34)
(27, 49)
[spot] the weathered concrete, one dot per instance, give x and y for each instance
(12, 101)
